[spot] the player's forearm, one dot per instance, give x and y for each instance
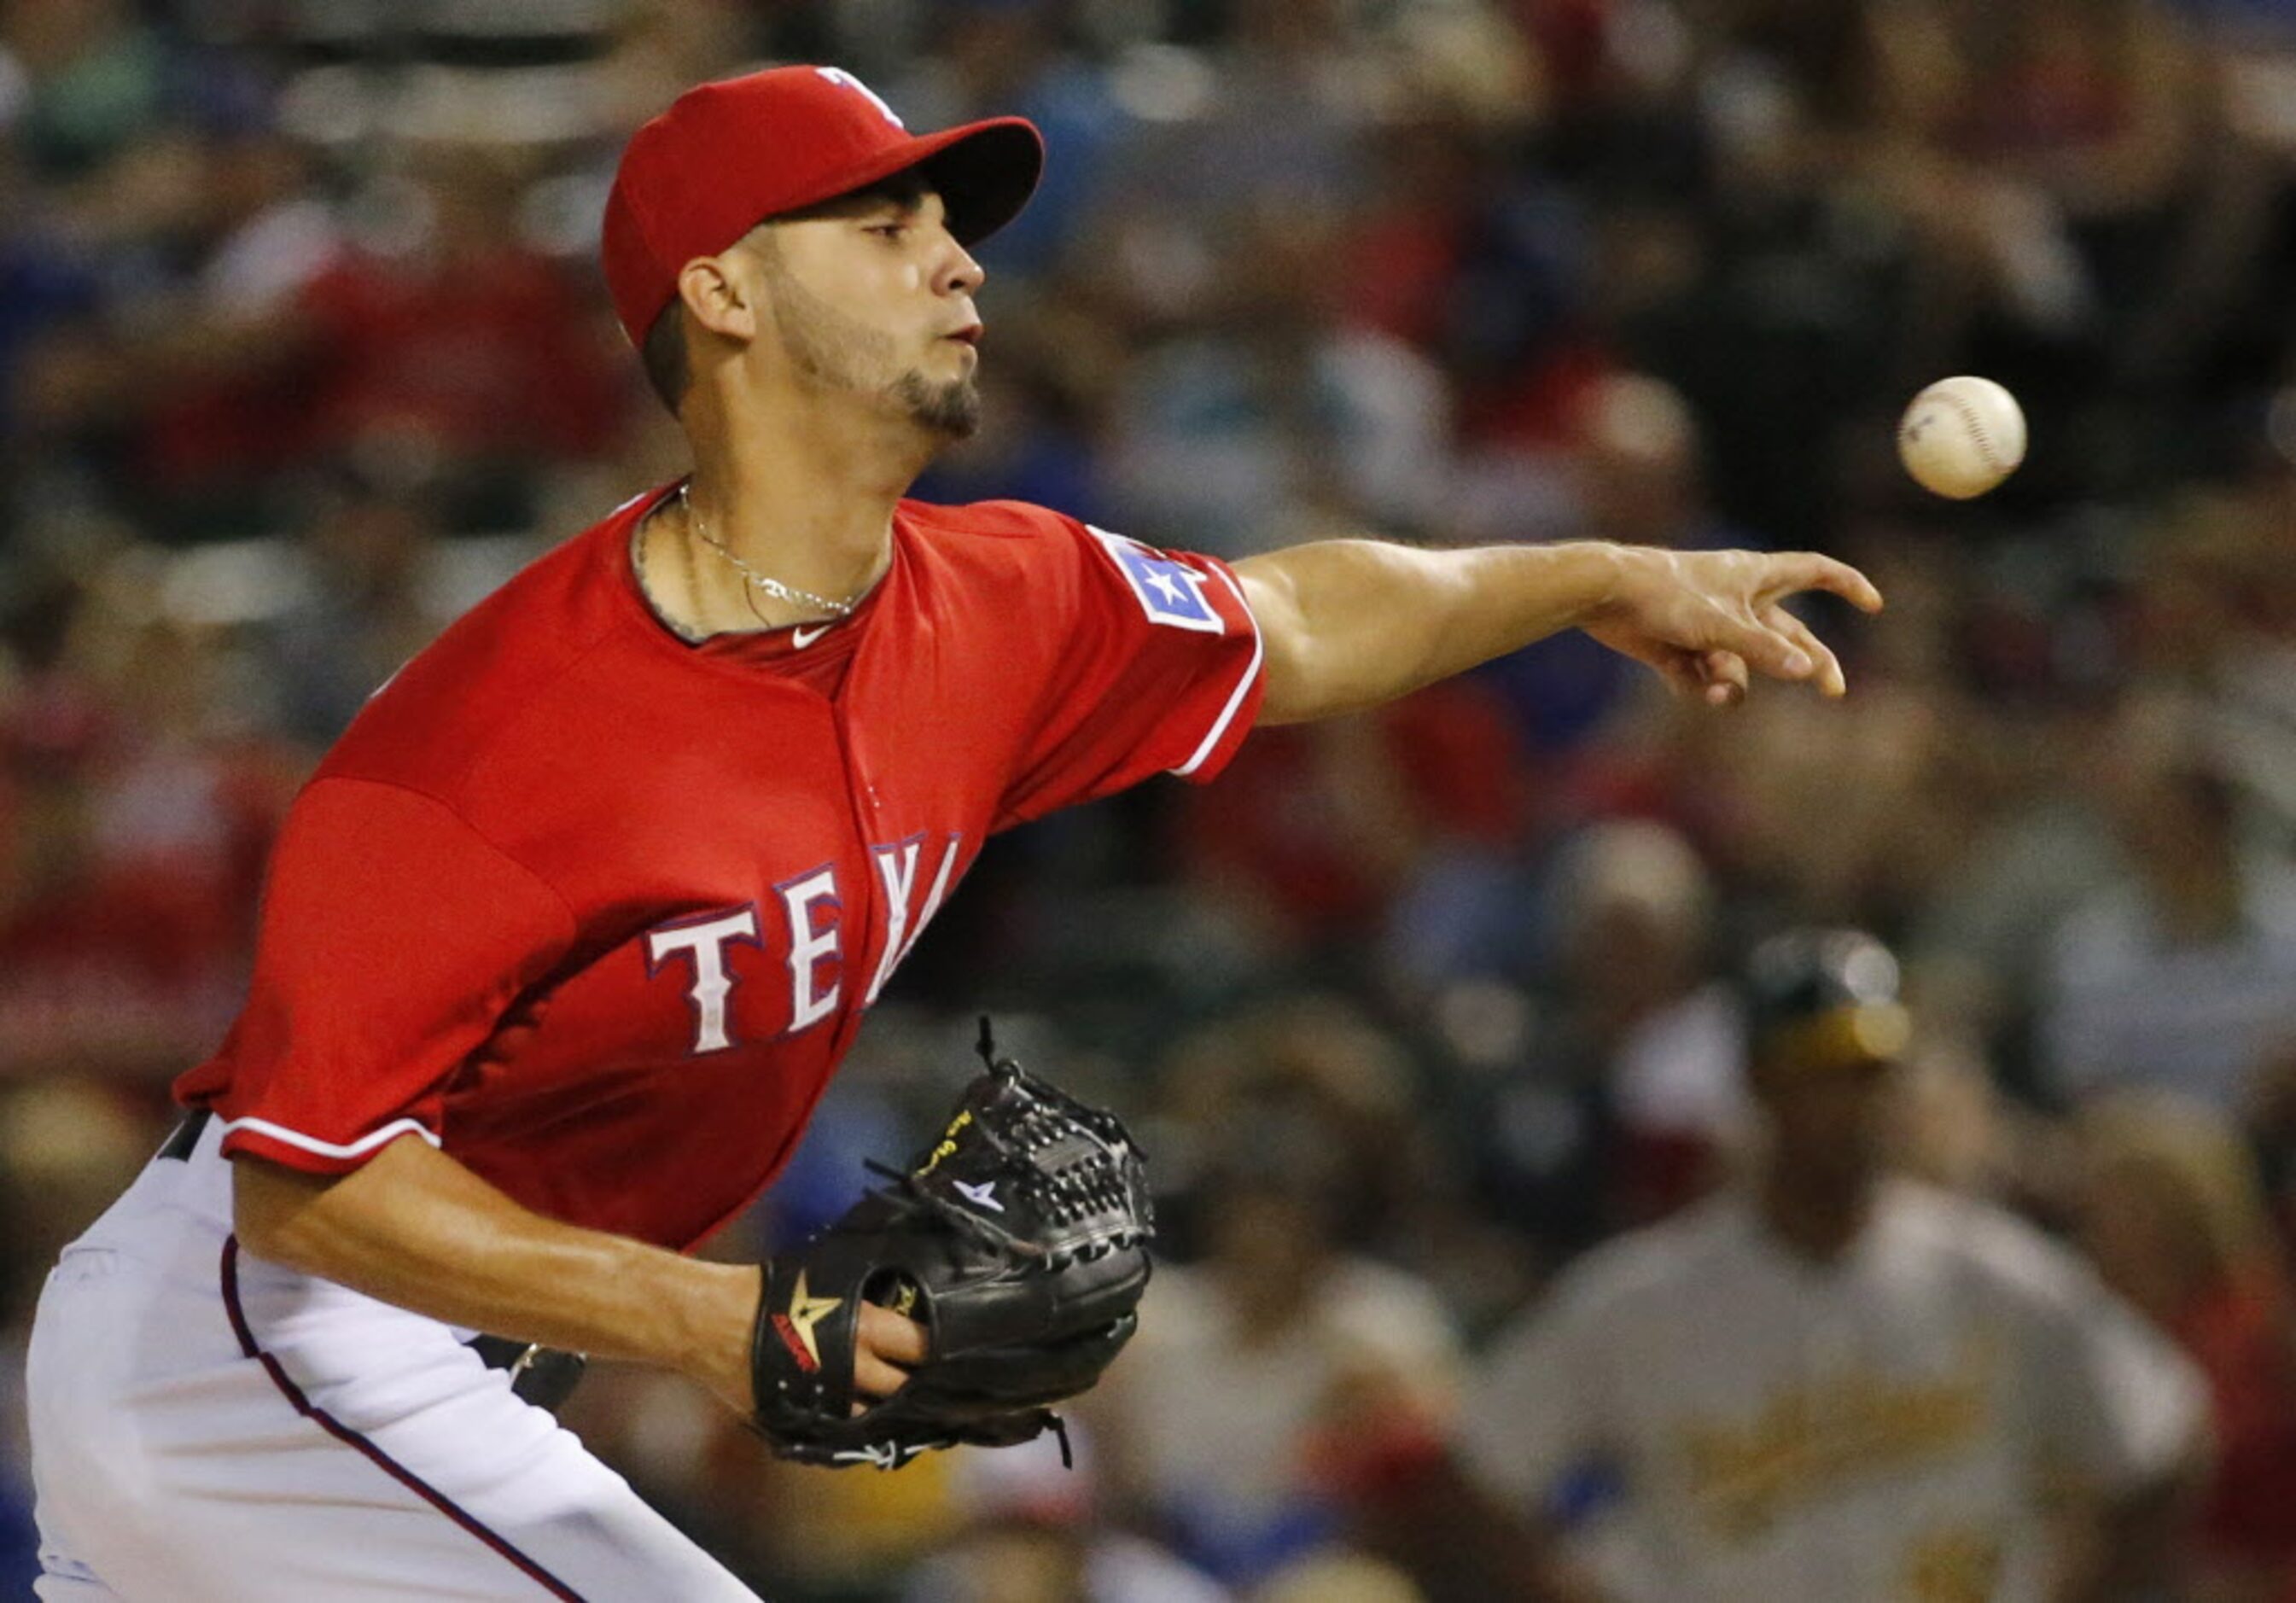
(415, 1229)
(1348, 624)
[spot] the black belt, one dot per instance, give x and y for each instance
(542, 1376)
(185, 1136)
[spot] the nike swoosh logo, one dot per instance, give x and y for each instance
(802, 638)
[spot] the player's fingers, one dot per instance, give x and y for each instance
(891, 1337)
(1829, 677)
(884, 1346)
(873, 1376)
(1684, 671)
(1723, 676)
(1762, 648)
(885, 1343)
(1791, 570)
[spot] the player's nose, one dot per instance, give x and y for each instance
(961, 275)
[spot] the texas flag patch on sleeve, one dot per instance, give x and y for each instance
(1168, 590)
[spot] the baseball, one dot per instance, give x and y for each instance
(1962, 436)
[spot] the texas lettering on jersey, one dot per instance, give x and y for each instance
(598, 910)
(810, 909)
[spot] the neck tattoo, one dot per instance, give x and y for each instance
(765, 582)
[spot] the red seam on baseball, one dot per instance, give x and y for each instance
(1977, 431)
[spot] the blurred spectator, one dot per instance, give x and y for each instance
(43, 282)
(2035, 846)
(1004, 58)
(130, 858)
(1834, 1384)
(364, 605)
(1316, 831)
(1630, 1092)
(221, 418)
(2171, 1213)
(1632, 474)
(1277, 108)
(1738, 255)
(1265, 1376)
(435, 338)
(2181, 974)
(1315, 1068)
(2052, 157)
(1337, 1578)
(1266, 414)
(1032, 1536)
(97, 80)
(465, 342)
(1866, 832)
(2215, 612)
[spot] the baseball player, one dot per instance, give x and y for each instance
(566, 933)
(1836, 1385)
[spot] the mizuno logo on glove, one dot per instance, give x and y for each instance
(982, 1195)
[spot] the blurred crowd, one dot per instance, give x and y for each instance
(303, 347)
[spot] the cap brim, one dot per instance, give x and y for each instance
(984, 172)
(1840, 1038)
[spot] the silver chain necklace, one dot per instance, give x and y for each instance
(767, 582)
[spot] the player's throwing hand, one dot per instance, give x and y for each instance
(1706, 620)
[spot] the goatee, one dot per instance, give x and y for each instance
(951, 410)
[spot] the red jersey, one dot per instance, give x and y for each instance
(598, 911)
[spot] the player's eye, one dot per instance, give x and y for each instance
(888, 230)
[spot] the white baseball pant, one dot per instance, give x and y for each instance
(209, 1426)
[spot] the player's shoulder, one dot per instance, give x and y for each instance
(1044, 545)
(427, 724)
(1658, 1262)
(1985, 1243)
(990, 519)
(997, 550)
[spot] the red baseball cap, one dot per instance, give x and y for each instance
(727, 156)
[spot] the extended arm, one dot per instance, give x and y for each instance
(1348, 624)
(415, 1229)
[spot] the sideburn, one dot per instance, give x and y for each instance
(837, 353)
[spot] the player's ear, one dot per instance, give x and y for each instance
(722, 295)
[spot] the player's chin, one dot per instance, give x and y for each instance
(948, 407)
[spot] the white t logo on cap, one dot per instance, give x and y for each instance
(838, 75)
